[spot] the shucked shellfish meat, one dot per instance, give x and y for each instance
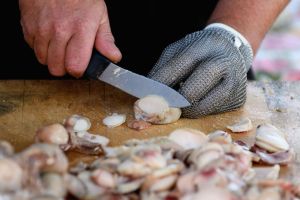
(73, 135)
(114, 120)
(186, 165)
(77, 123)
(188, 138)
(156, 110)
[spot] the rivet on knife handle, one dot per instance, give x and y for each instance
(97, 65)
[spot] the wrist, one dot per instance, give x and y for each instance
(239, 41)
(252, 18)
(240, 37)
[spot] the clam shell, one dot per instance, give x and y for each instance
(270, 138)
(155, 109)
(243, 125)
(160, 184)
(220, 137)
(204, 156)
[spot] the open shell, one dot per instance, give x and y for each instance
(206, 155)
(88, 143)
(160, 184)
(270, 138)
(156, 110)
(243, 125)
(281, 157)
(220, 137)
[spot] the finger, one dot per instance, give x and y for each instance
(216, 99)
(78, 53)
(176, 61)
(56, 53)
(105, 42)
(27, 36)
(238, 98)
(40, 47)
(168, 53)
(203, 79)
(175, 70)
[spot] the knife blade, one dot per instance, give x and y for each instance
(100, 68)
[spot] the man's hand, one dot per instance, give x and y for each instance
(210, 66)
(64, 32)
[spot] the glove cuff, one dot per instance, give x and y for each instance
(237, 34)
(239, 41)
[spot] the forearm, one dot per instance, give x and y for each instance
(252, 18)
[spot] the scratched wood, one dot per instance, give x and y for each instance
(28, 105)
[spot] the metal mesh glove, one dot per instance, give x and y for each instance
(210, 66)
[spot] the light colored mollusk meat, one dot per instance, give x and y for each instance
(188, 138)
(114, 120)
(156, 110)
(187, 164)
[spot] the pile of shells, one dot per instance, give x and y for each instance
(187, 165)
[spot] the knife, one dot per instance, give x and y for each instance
(100, 68)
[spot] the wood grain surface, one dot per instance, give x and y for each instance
(28, 105)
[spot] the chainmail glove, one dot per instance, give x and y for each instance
(210, 67)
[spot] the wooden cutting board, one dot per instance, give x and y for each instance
(28, 105)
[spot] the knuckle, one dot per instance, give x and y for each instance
(60, 30)
(43, 31)
(83, 26)
(80, 25)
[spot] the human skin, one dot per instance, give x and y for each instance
(252, 18)
(62, 33)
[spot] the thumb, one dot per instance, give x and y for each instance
(105, 42)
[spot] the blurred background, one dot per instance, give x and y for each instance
(279, 55)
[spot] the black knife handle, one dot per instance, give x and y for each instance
(97, 65)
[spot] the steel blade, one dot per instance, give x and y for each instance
(140, 86)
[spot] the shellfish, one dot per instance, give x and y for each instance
(270, 138)
(156, 110)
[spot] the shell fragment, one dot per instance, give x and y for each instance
(156, 110)
(243, 125)
(270, 138)
(114, 120)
